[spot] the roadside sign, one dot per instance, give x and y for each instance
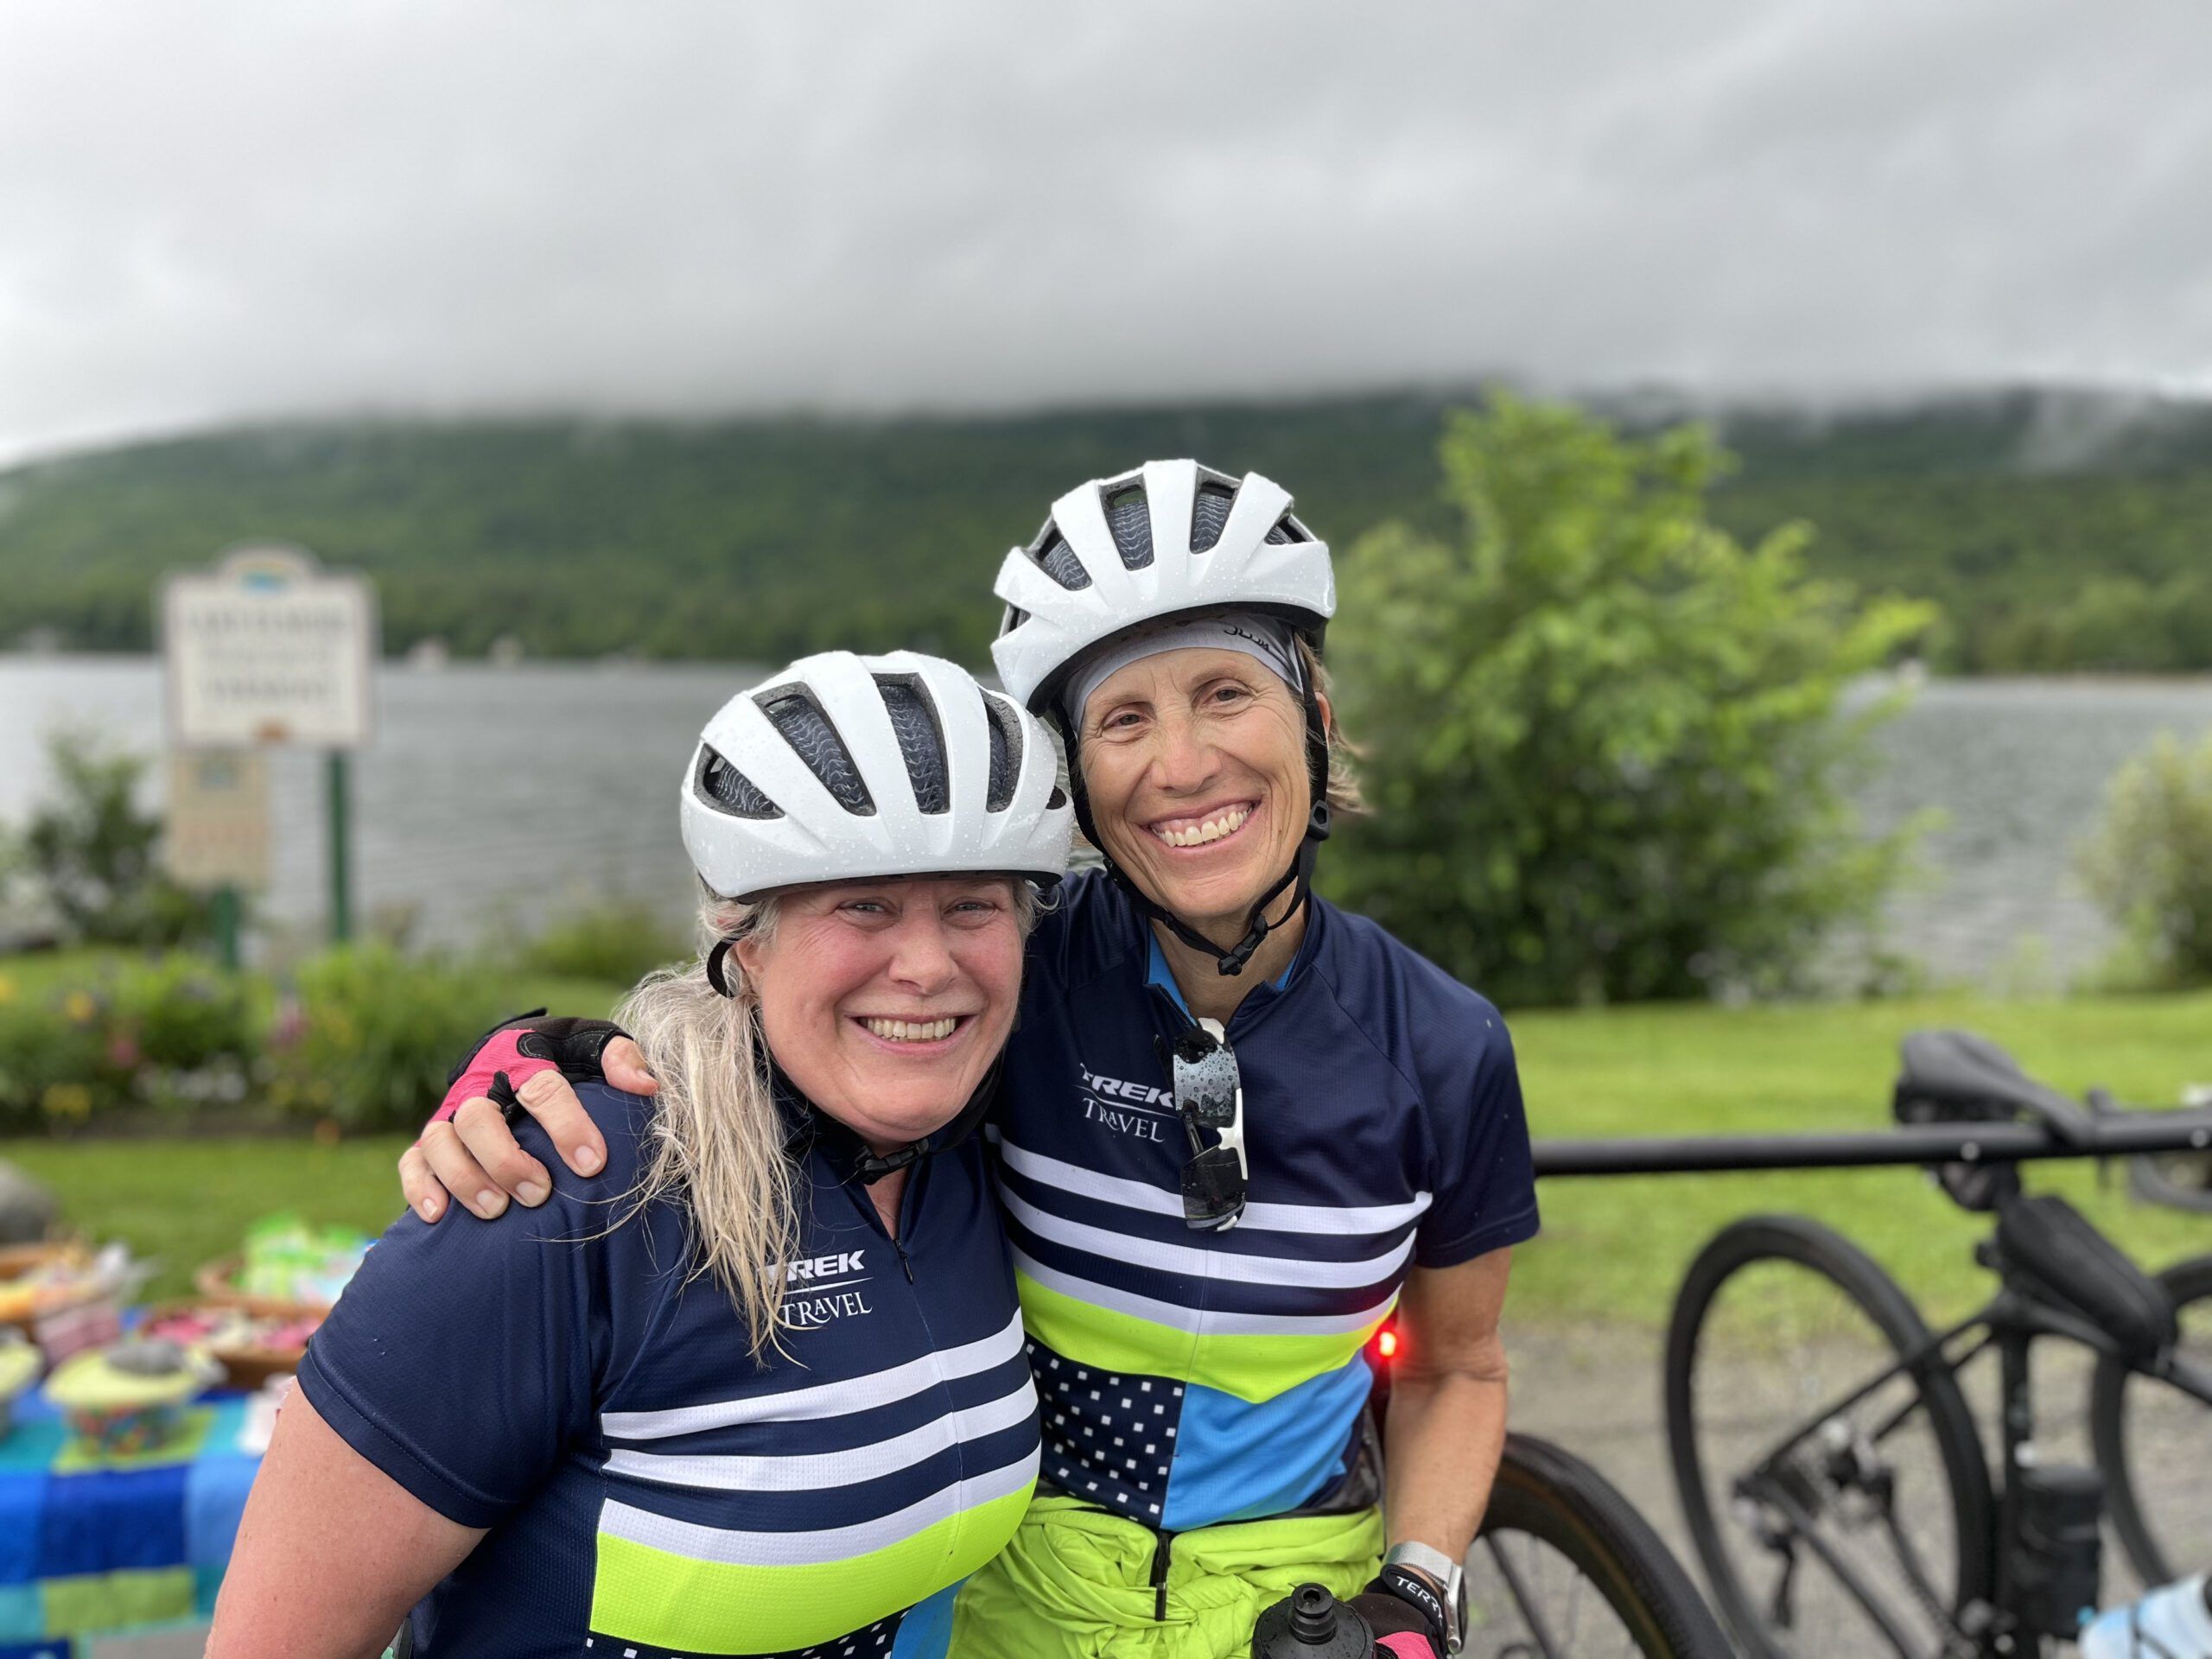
(267, 648)
(216, 830)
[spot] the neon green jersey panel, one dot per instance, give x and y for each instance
(661, 1593)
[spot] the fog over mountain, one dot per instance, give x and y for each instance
(244, 209)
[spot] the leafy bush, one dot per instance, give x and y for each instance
(191, 1034)
(180, 1012)
(170, 1031)
(370, 1035)
(618, 940)
(88, 853)
(56, 1069)
(2150, 862)
(1605, 742)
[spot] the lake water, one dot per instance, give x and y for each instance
(492, 797)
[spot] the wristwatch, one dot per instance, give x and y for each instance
(1450, 1609)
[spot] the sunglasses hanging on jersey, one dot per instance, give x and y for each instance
(1210, 1095)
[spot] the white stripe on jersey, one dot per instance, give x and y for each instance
(1233, 1268)
(824, 1400)
(1350, 1219)
(816, 1471)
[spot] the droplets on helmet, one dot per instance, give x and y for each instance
(1170, 537)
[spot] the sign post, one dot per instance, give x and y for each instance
(217, 836)
(266, 649)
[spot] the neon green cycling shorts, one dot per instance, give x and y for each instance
(1078, 1583)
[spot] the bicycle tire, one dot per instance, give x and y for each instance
(1552, 1495)
(1820, 1250)
(2156, 1561)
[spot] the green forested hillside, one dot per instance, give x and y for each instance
(2055, 531)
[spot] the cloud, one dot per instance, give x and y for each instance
(236, 210)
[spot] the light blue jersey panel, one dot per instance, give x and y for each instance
(926, 1631)
(1217, 1476)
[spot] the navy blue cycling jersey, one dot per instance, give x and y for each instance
(649, 1491)
(1189, 1377)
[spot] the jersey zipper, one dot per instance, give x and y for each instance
(1161, 1549)
(898, 1240)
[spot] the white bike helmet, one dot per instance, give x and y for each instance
(1170, 537)
(843, 768)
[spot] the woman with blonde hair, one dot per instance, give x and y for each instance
(757, 1385)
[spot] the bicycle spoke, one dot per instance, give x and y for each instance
(1530, 1614)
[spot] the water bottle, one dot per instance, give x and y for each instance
(1311, 1625)
(2055, 1555)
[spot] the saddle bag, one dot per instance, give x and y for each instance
(2050, 1244)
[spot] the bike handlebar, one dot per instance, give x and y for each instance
(2126, 1135)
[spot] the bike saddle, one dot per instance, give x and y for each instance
(1950, 1075)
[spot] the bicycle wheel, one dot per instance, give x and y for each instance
(2153, 1444)
(1826, 1524)
(1565, 1568)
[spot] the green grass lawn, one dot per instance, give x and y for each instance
(185, 1202)
(1612, 1249)
(1616, 1248)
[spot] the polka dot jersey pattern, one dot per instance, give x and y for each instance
(1107, 1437)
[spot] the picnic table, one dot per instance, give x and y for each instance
(94, 1547)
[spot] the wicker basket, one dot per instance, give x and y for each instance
(245, 1369)
(17, 1260)
(216, 1285)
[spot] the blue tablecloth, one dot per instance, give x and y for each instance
(88, 1546)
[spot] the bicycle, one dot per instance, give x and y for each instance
(1562, 1566)
(1869, 1521)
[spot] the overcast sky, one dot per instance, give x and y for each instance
(213, 211)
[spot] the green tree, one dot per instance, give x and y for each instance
(1605, 744)
(2150, 863)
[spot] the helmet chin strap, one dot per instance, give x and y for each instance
(1300, 874)
(869, 1165)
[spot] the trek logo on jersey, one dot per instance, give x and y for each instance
(823, 1267)
(821, 1289)
(1139, 1110)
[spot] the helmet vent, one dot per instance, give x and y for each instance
(1287, 529)
(1129, 518)
(1209, 513)
(721, 784)
(1015, 616)
(1006, 753)
(1058, 559)
(921, 740)
(808, 730)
